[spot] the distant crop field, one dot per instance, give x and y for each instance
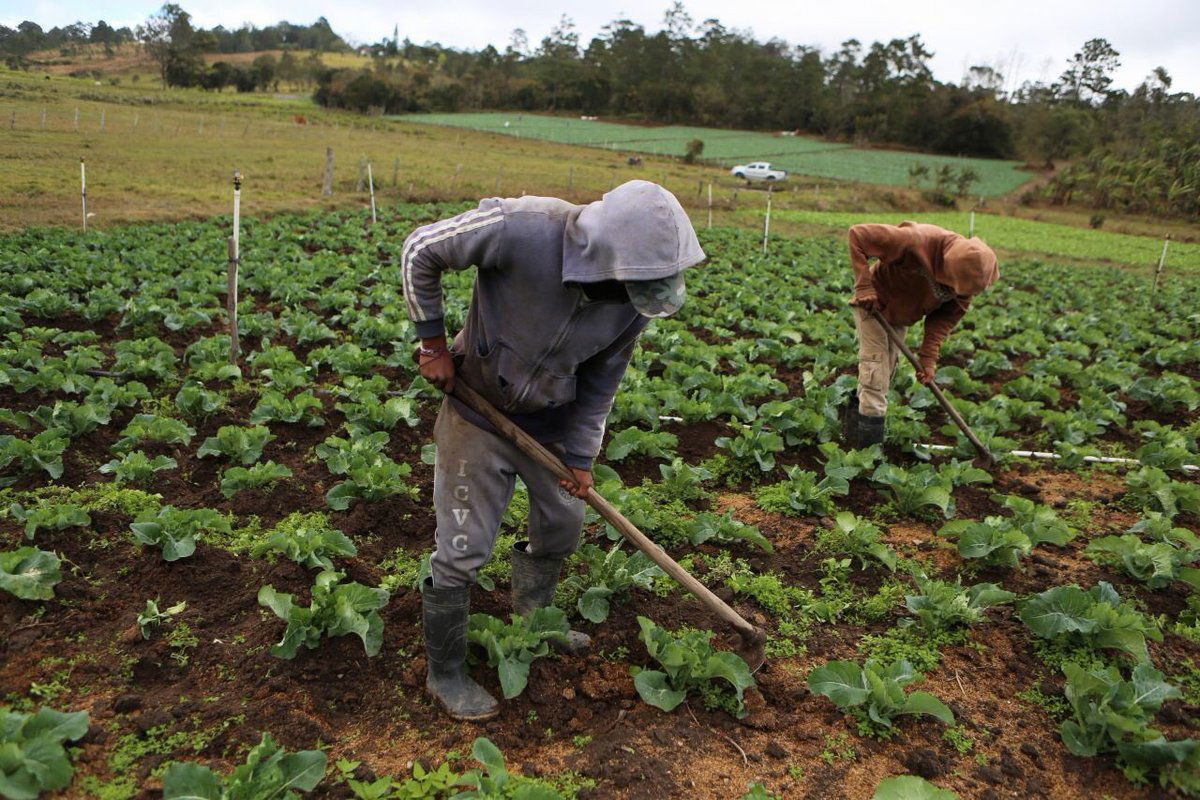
(798, 154)
(1026, 235)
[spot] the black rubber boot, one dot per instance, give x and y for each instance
(533, 583)
(445, 614)
(850, 423)
(860, 430)
(871, 430)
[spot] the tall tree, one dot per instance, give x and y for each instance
(1089, 73)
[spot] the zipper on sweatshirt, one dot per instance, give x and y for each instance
(563, 332)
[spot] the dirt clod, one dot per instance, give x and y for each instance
(924, 762)
(776, 750)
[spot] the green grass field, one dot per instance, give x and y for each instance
(797, 154)
(1024, 236)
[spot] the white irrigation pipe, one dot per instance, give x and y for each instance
(1040, 454)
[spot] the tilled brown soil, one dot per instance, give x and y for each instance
(81, 651)
(579, 714)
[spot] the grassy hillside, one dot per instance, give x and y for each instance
(799, 155)
(155, 154)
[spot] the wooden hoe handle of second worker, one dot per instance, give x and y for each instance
(898, 340)
(751, 636)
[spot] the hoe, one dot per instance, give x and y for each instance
(753, 639)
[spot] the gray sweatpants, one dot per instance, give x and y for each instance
(473, 482)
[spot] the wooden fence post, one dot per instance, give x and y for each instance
(1162, 260)
(83, 191)
(327, 185)
(710, 205)
(767, 220)
(231, 299)
(371, 184)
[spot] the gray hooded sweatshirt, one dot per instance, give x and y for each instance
(534, 344)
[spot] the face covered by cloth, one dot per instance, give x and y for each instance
(637, 234)
(968, 267)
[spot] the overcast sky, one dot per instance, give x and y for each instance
(1026, 39)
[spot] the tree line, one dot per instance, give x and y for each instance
(710, 75)
(170, 36)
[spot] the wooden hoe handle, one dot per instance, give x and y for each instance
(537, 452)
(898, 340)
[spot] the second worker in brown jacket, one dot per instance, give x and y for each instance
(919, 272)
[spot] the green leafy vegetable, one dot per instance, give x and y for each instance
(635, 441)
(688, 663)
(942, 605)
(270, 773)
(136, 467)
(337, 609)
(512, 647)
(310, 545)
(33, 759)
(151, 617)
(610, 574)
(244, 445)
(1097, 618)
(266, 473)
(875, 691)
(29, 573)
(50, 516)
(175, 530)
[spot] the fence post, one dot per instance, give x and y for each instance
(371, 184)
(327, 185)
(571, 178)
(1162, 260)
(83, 191)
(710, 205)
(76, 117)
(395, 171)
(767, 220)
(43, 118)
(231, 298)
(102, 119)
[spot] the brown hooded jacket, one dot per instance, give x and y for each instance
(923, 272)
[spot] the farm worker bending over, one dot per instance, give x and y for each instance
(562, 293)
(922, 271)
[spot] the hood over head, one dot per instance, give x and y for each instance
(969, 266)
(636, 232)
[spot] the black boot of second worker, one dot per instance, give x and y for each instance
(534, 580)
(860, 430)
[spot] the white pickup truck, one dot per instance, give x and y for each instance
(758, 171)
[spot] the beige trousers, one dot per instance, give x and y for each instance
(877, 360)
